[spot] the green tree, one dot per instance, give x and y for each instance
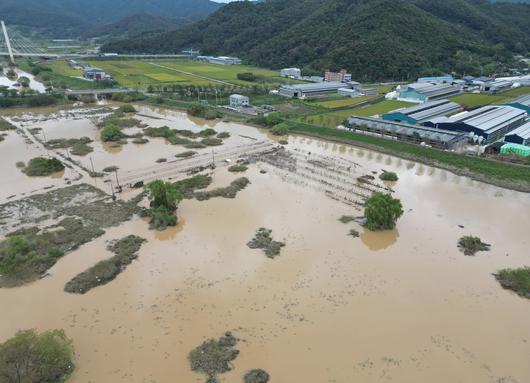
(23, 81)
(163, 195)
(29, 357)
(382, 211)
(256, 376)
(111, 132)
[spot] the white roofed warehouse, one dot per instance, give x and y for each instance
(423, 92)
(418, 114)
(488, 122)
(311, 90)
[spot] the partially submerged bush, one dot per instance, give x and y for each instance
(223, 135)
(213, 357)
(280, 130)
(388, 176)
(195, 145)
(207, 132)
(26, 254)
(6, 125)
(110, 169)
(164, 197)
(256, 376)
(32, 357)
(111, 133)
(186, 154)
(346, 219)
(204, 112)
(226, 192)
(237, 168)
(78, 146)
(470, 245)
(125, 250)
(188, 186)
(163, 131)
(211, 141)
(263, 240)
(517, 280)
(382, 211)
(127, 108)
(40, 166)
(140, 141)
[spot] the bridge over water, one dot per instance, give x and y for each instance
(15, 45)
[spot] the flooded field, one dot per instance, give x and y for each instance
(401, 306)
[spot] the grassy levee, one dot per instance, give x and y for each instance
(511, 176)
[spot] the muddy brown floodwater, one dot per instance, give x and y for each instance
(402, 306)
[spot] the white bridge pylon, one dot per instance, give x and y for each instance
(8, 43)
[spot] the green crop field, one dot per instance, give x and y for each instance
(343, 102)
(475, 100)
(62, 68)
(380, 108)
(225, 73)
(140, 74)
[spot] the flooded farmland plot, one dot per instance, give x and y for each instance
(403, 305)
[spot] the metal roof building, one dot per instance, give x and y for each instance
(520, 136)
(435, 137)
(423, 112)
(423, 92)
(522, 102)
(497, 86)
(437, 79)
(488, 122)
(311, 90)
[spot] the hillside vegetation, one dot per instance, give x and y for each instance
(374, 39)
(66, 18)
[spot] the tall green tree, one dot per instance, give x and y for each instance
(163, 195)
(382, 211)
(30, 357)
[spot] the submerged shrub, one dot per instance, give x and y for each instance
(470, 245)
(388, 176)
(517, 280)
(40, 166)
(256, 376)
(32, 357)
(382, 211)
(213, 357)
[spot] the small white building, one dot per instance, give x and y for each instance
(348, 92)
(291, 72)
(239, 101)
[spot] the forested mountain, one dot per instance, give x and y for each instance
(60, 18)
(374, 39)
(135, 25)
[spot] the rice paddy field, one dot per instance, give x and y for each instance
(334, 118)
(343, 102)
(475, 100)
(140, 73)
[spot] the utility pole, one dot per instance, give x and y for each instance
(8, 43)
(92, 163)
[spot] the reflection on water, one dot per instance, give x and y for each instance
(58, 175)
(112, 147)
(170, 232)
(379, 240)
